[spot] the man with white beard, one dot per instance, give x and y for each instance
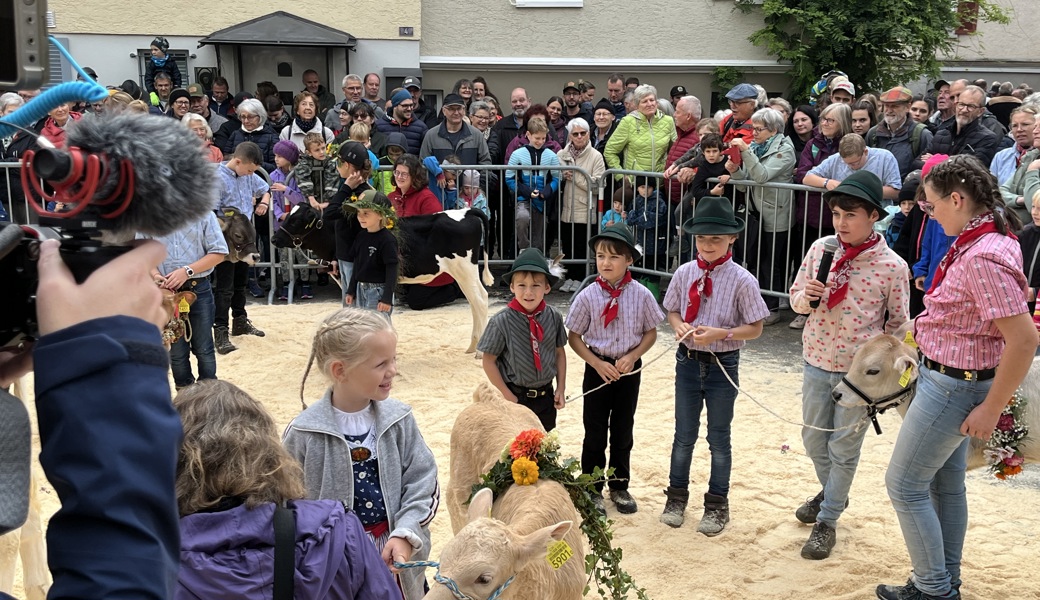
(897, 132)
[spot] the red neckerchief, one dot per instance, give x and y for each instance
(703, 283)
(611, 309)
(537, 333)
(977, 227)
(843, 267)
(1019, 153)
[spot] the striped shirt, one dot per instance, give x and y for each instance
(508, 336)
(192, 242)
(735, 300)
(879, 284)
(985, 283)
(239, 192)
(638, 313)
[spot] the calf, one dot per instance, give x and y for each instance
(878, 367)
(445, 242)
(240, 236)
(508, 537)
(173, 305)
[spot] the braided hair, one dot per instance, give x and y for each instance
(967, 175)
(342, 336)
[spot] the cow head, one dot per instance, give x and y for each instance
(301, 221)
(175, 306)
(882, 368)
(239, 235)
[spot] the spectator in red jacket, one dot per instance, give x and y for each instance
(743, 100)
(687, 115)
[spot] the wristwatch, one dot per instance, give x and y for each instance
(189, 270)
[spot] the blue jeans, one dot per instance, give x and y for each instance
(346, 269)
(200, 321)
(368, 296)
(698, 384)
(835, 454)
(925, 477)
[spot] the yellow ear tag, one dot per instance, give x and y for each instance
(904, 379)
(909, 340)
(184, 307)
(559, 553)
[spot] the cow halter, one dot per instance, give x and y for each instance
(878, 406)
(450, 583)
(315, 224)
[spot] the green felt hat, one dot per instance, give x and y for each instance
(621, 233)
(714, 216)
(863, 185)
(532, 260)
(371, 200)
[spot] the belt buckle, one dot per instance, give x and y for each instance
(532, 393)
(968, 375)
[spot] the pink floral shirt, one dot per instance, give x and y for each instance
(879, 283)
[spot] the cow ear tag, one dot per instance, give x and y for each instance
(183, 306)
(559, 553)
(904, 379)
(909, 340)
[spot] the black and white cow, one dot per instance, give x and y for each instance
(445, 242)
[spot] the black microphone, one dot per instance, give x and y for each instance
(830, 245)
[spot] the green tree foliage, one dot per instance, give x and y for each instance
(878, 43)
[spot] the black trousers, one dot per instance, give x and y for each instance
(609, 416)
(229, 291)
(543, 406)
(574, 243)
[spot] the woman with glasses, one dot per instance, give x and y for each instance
(577, 218)
(254, 128)
(812, 220)
(305, 107)
(769, 159)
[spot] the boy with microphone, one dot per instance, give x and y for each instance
(867, 282)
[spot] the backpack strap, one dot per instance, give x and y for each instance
(915, 139)
(284, 553)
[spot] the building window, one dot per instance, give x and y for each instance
(180, 56)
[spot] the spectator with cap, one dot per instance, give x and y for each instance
(743, 98)
(572, 103)
(179, 104)
(401, 119)
(943, 104)
(199, 104)
(312, 84)
(422, 112)
(160, 62)
(455, 137)
(967, 135)
(905, 138)
(603, 124)
(842, 90)
(221, 97)
(677, 92)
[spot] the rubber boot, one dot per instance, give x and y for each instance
(675, 506)
(221, 343)
(716, 515)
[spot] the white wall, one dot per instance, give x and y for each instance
(109, 55)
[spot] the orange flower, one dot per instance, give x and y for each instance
(526, 444)
(525, 471)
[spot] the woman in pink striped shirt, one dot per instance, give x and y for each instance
(975, 320)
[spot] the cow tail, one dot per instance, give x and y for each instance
(485, 227)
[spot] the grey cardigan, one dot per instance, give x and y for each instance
(407, 471)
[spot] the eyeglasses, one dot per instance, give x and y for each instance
(929, 208)
(248, 117)
(579, 133)
(759, 129)
(182, 103)
(402, 174)
(961, 105)
(408, 106)
(827, 120)
(480, 117)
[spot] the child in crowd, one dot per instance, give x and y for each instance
(396, 145)
(934, 245)
(361, 133)
(374, 254)
(241, 189)
(191, 253)
(867, 293)
(285, 194)
(720, 302)
(446, 189)
(612, 324)
(160, 62)
(906, 204)
(364, 448)
(523, 345)
(615, 215)
(316, 173)
(533, 189)
(472, 196)
(649, 217)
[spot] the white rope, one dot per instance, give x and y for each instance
(862, 422)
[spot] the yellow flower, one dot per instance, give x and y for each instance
(389, 223)
(525, 471)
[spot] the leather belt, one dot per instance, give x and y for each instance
(526, 392)
(705, 357)
(961, 374)
(191, 283)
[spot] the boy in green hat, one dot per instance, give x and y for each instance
(374, 254)
(867, 293)
(515, 359)
(612, 324)
(720, 302)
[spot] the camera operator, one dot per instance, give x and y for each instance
(109, 435)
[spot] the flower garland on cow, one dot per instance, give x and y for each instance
(535, 455)
(1004, 450)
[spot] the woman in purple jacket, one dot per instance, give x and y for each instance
(231, 472)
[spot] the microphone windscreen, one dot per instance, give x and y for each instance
(830, 244)
(174, 182)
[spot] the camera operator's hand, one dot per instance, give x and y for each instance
(122, 287)
(14, 362)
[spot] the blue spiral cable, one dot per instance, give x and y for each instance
(63, 93)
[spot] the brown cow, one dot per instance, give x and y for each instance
(175, 324)
(240, 236)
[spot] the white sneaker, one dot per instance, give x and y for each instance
(565, 286)
(784, 304)
(799, 322)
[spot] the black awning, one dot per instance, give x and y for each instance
(281, 29)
